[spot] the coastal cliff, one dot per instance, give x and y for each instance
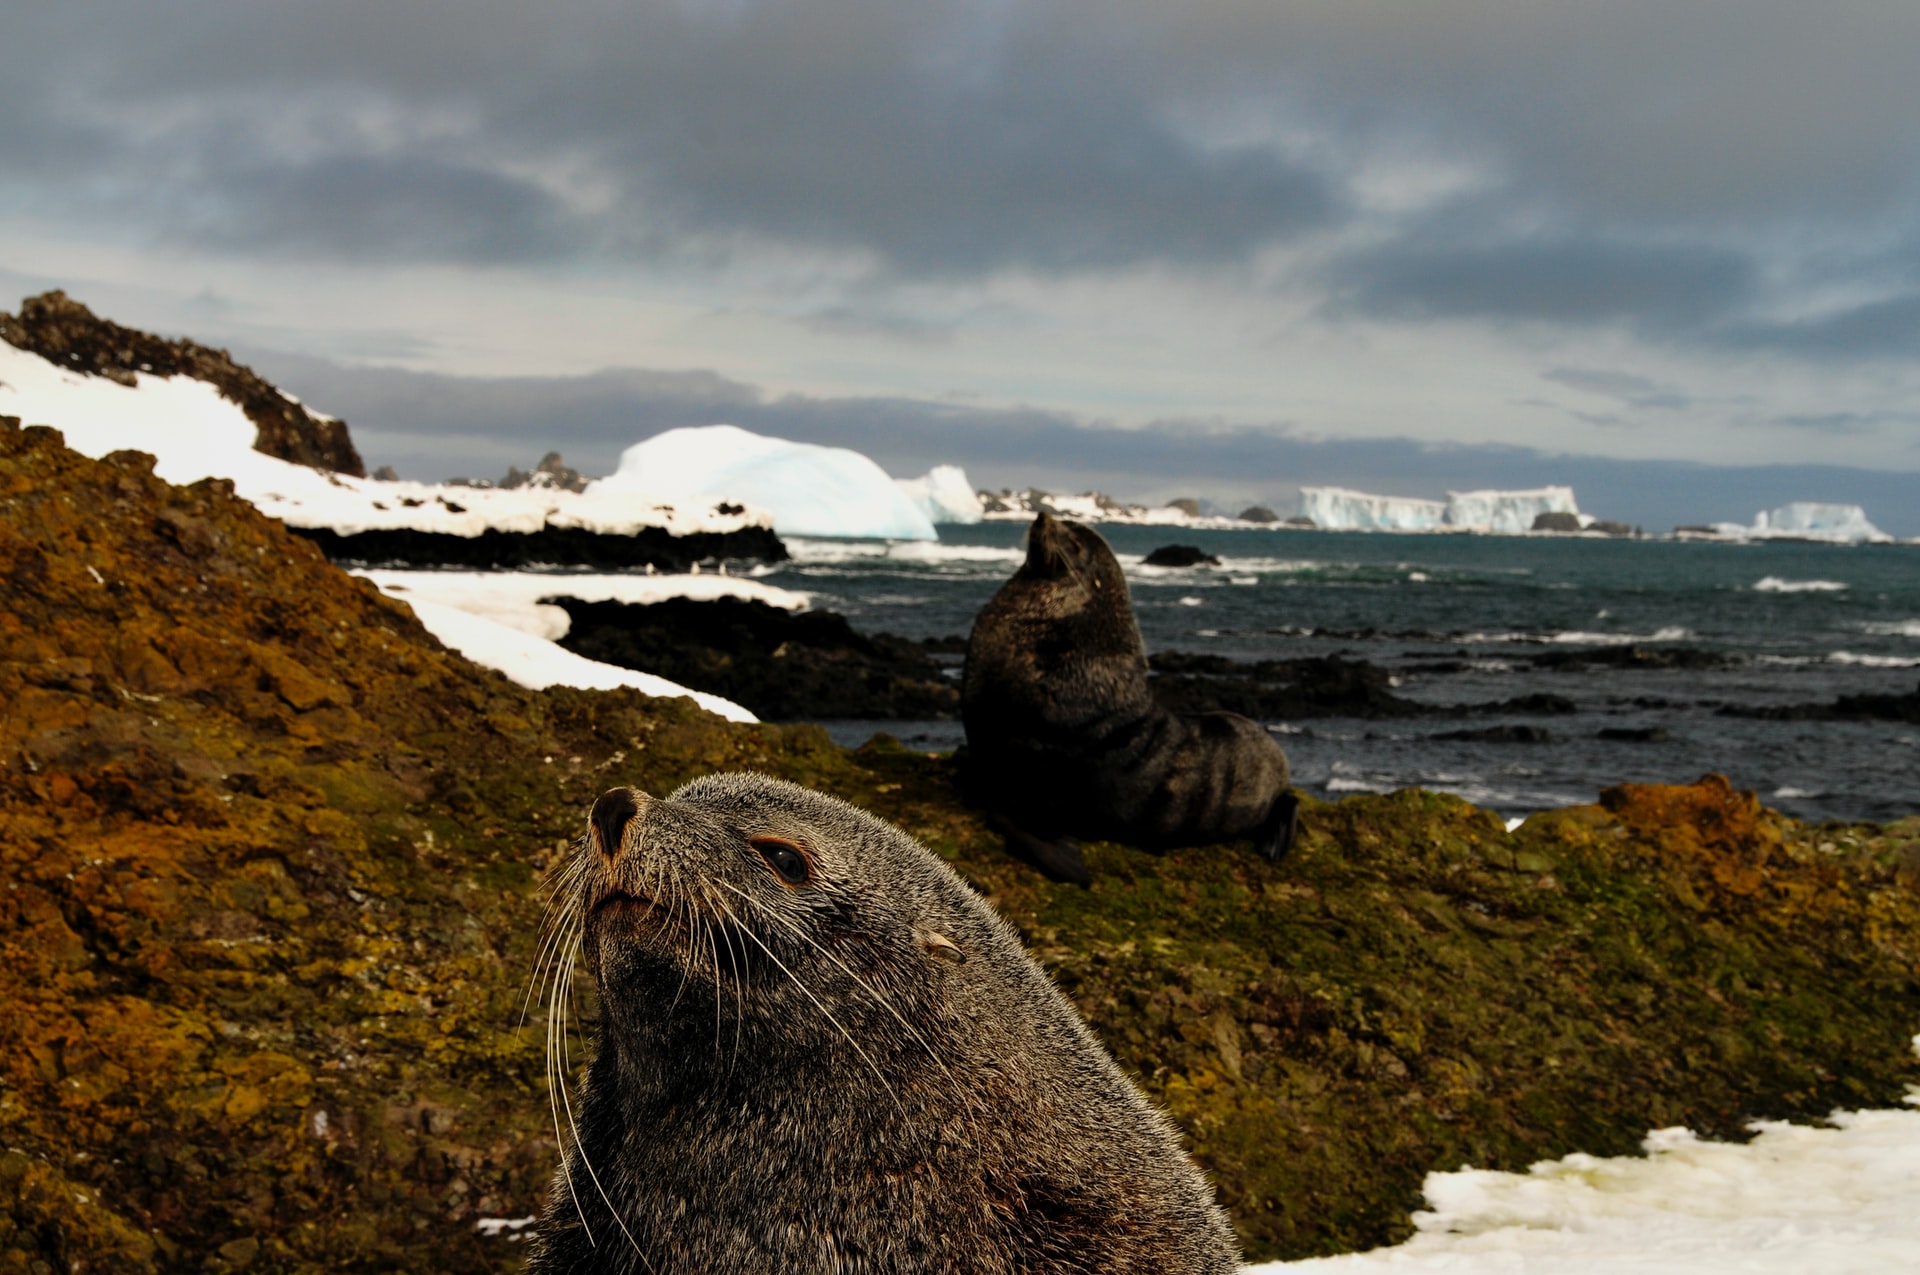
(272, 858)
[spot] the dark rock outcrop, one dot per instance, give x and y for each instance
(1867, 707)
(1634, 656)
(1258, 513)
(782, 665)
(1315, 686)
(494, 550)
(1180, 556)
(63, 331)
(1556, 520)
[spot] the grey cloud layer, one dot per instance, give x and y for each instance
(1637, 155)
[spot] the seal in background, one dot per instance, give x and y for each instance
(1065, 740)
(820, 1051)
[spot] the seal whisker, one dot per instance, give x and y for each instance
(579, 1144)
(556, 1086)
(824, 1011)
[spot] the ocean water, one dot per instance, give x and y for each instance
(1458, 620)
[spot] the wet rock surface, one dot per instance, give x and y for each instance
(1269, 690)
(1845, 708)
(782, 666)
(269, 899)
(65, 332)
(1180, 556)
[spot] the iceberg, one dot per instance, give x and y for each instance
(1502, 512)
(943, 494)
(1810, 520)
(1342, 509)
(809, 490)
(1507, 513)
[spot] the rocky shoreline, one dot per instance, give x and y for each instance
(273, 861)
(494, 550)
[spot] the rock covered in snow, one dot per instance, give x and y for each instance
(807, 489)
(944, 495)
(194, 430)
(71, 337)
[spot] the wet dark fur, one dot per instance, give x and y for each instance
(863, 1072)
(1064, 738)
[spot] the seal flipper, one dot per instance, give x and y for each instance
(1277, 835)
(1057, 860)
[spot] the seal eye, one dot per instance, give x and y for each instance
(784, 858)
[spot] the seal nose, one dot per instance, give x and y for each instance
(615, 809)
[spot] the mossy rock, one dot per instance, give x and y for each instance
(271, 859)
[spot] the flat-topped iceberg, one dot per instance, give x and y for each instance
(808, 490)
(943, 494)
(1501, 512)
(1809, 520)
(1342, 509)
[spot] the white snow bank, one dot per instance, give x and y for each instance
(537, 664)
(1794, 1201)
(194, 433)
(1501, 512)
(808, 489)
(513, 598)
(943, 494)
(1808, 520)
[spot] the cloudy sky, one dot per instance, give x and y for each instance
(1668, 251)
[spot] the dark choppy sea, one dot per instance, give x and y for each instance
(1458, 619)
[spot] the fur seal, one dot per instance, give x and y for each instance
(1064, 738)
(820, 1051)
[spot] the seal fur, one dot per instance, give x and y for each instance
(1065, 740)
(820, 1051)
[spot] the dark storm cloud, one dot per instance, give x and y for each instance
(1657, 287)
(428, 426)
(1636, 162)
(1889, 328)
(1628, 387)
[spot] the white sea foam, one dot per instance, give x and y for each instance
(807, 552)
(1775, 584)
(1895, 628)
(1193, 602)
(1580, 637)
(1874, 661)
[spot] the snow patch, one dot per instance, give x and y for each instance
(1796, 1199)
(537, 664)
(513, 598)
(809, 490)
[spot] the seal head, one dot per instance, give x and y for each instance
(819, 1050)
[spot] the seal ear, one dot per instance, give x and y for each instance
(938, 944)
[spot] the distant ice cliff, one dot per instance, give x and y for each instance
(1504, 512)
